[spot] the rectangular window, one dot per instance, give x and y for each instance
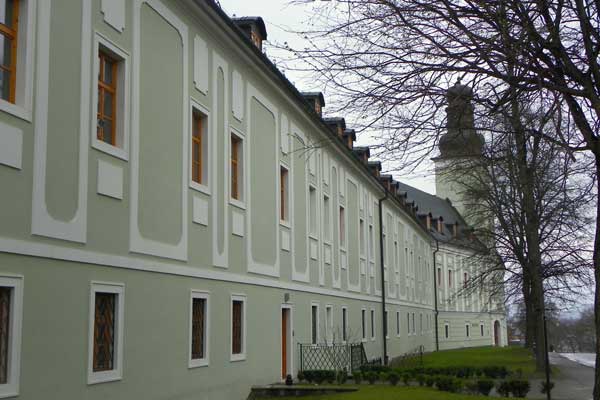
(467, 330)
(414, 327)
(363, 321)
(106, 130)
(312, 209)
(386, 324)
(342, 227)
(371, 244)
(397, 323)
(198, 329)
(439, 277)
(362, 236)
(449, 278)
(408, 322)
(447, 331)
(314, 324)
(421, 323)
(9, 18)
(11, 309)
(328, 324)
(284, 194)
(106, 329)
(199, 147)
(465, 280)
(236, 166)
(372, 324)
(344, 324)
(238, 328)
(326, 218)
(481, 329)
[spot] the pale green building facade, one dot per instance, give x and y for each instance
(280, 220)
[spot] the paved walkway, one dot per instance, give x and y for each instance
(575, 381)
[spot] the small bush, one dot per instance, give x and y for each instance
(503, 388)
(300, 376)
(421, 379)
(330, 376)
(519, 387)
(471, 387)
(484, 386)
(406, 378)
(341, 377)
(444, 382)
(429, 380)
(495, 372)
(546, 388)
(371, 377)
(357, 376)
(393, 378)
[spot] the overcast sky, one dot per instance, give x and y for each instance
(281, 17)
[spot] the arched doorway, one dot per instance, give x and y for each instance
(497, 333)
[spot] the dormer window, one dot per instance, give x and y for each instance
(318, 107)
(256, 40)
(254, 28)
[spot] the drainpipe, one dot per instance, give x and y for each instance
(435, 299)
(381, 259)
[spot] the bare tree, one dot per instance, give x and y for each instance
(390, 61)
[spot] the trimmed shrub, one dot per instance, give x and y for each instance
(471, 387)
(421, 379)
(503, 388)
(519, 387)
(429, 380)
(406, 378)
(393, 378)
(300, 376)
(546, 388)
(357, 376)
(330, 376)
(484, 386)
(444, 382)
(371, 377)
(495, 372)
(341, 377)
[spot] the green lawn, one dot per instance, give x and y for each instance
(511, 357)
(387, 392)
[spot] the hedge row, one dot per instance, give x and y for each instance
(492, 372)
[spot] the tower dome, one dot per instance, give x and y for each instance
(460, 139)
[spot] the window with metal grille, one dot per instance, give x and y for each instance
(237, 328)
(104, 331)
(9, 21)
(198, 328)
(5, 307)
(106, 130)
(198, 147)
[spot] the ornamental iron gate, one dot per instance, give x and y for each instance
(336, 357)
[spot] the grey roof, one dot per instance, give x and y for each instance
(429, 203)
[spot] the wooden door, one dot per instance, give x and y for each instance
(284, 342)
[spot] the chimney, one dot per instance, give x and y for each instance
(350, 137)
(429, 221)
(254, 28)
(316, 101)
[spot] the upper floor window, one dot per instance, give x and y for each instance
(284, 190)
(106, 130)
(312, 210)
(199, 147)
(237, 167)
(449, 278)
(9, 21)
(326, 218)
(361, 233)
(342, 227)
(439, 276)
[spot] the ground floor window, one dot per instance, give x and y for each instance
(238, 327)
(363, 320)
(314, 324)
(198, 329)
(447, 331)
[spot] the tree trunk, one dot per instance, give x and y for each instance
(597, 293)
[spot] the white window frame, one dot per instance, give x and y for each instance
(206, 155)
(240, 203)
(200, 362)
(312, 327)
(116, 373)
(363, 321)
(11, 387)
(373, 330)
(243, 299)
(22, 108)
(344, 324)
(121, 149)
